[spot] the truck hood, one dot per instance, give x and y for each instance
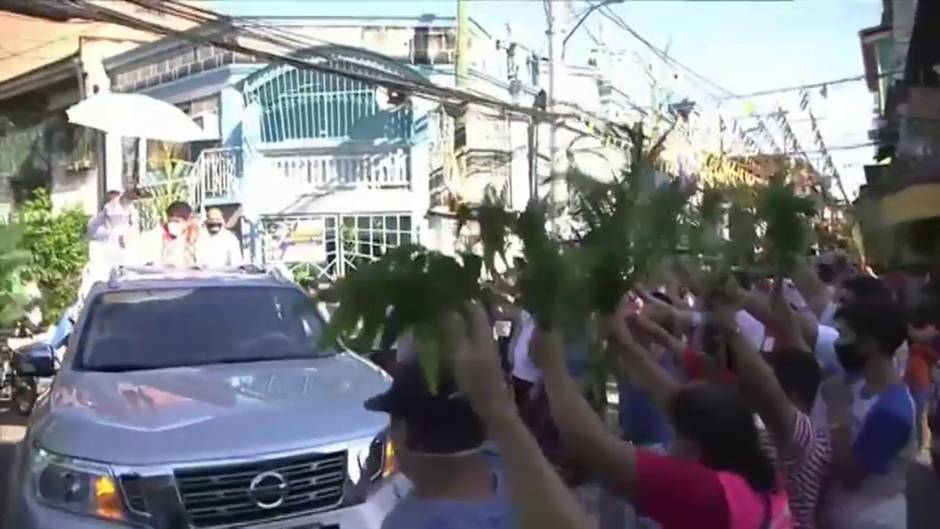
(210, 412)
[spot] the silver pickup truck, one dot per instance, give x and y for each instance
(193, 399)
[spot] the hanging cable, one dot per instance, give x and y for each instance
(821, 84)
(618, 20)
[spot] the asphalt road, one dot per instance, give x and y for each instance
(923, 486)
(11, 431)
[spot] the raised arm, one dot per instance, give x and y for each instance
(758, 378)
(538, 493)
(582, 431)
(811, 287)
(638, 361)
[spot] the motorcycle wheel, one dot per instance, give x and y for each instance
(24, 395)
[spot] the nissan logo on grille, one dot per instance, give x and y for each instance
(268, 490)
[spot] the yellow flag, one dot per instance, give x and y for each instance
(748, 108)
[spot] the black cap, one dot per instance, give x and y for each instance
(441, 423)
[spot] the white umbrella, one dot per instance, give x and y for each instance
(136, 116)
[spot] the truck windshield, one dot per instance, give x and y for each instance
(153, 329)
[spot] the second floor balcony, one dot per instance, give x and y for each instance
(320, 172)
(219, 172)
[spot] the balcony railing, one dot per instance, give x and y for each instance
(218, 171)
(330, 171)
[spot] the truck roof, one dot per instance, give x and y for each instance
(146, 278)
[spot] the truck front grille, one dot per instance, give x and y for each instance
(262, 490)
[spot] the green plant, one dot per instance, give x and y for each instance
(786, 217)
(152, 209)
(169, 184)
(58, 251)
(399, 282)
(13, 261)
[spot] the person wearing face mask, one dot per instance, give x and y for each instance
(173, 243)
(218, 246)
(871, 421)
(439, 445)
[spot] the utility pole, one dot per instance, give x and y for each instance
(462, 81)
(556, 34)
(463, 41)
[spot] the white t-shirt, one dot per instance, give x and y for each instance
(405, 348)
(218, 250)
(825, 350)
(828, 315)
(522, 366)
(880, 502)
(752, 330)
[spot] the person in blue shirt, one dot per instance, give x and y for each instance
(642, 422)
(871, 419)
(441, 448)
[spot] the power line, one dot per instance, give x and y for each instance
(618, 20)
(811, 85)
(426, 90)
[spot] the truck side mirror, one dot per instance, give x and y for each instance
(37, 360)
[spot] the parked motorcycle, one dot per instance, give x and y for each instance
(20, 383)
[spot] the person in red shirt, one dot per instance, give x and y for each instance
(716, 477)
(923, 335)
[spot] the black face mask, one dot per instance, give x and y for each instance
(849, 358)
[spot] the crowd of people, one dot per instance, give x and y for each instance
(769, 403)
(180, 241)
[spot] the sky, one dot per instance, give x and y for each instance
(744, 46)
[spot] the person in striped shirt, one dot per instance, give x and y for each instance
(783, 386)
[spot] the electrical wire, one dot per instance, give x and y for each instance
(427, 90)
(820, 84)
(276, 35)
(271, 34)
(665, 57)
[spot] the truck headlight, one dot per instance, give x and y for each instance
(373, 461)
(77, 486)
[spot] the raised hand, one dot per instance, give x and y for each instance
(547, 349)
(477, 366)
(618, 327)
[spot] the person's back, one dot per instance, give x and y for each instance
(441, 448)
(494, 512)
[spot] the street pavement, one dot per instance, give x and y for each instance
(11, 432)
(923, 496)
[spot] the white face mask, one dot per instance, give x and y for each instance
(174, 228)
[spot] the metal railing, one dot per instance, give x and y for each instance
(321, 171)
(218, 171)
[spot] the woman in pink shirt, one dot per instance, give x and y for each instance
(717, 476)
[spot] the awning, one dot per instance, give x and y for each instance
(136, 116)
(914, 202)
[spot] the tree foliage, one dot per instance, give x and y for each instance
(57, 248)
(414, 286)
(624, 231)
(13, 261)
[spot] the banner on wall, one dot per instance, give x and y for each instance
(301, 241)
